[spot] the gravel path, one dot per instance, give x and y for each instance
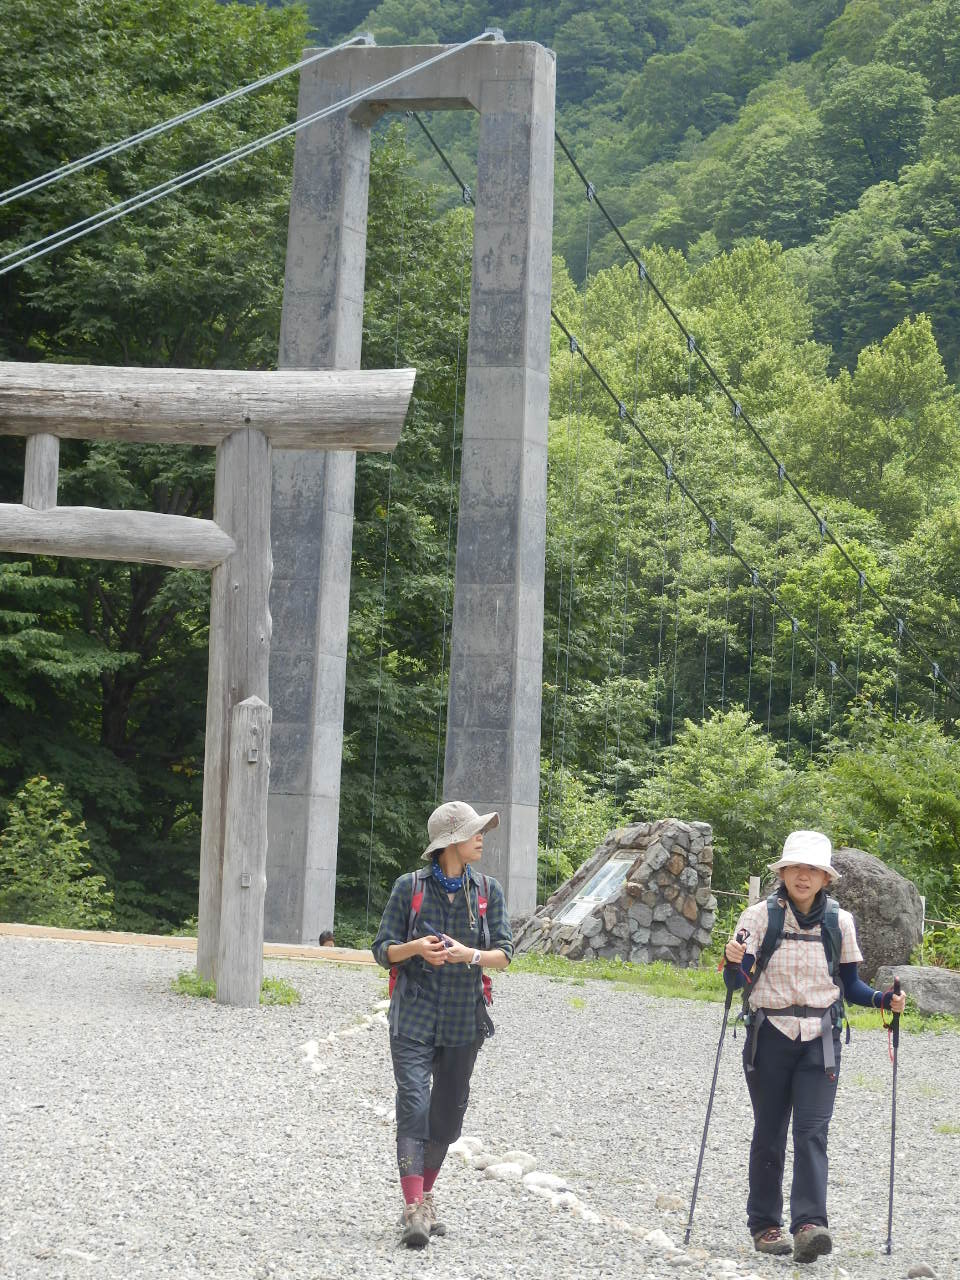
(146, 1134)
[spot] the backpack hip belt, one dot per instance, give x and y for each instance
(758, 1017)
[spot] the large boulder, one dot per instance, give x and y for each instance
(933, 990)
(887, 908)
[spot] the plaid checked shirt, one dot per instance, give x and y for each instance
(797, 972)
(439, 1003)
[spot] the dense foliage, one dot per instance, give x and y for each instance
(790, 174)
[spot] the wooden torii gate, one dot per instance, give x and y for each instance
(244, 415)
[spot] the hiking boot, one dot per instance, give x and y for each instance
(437, 1228)
(771, 1240)
(416, 1226)
(809, 1241)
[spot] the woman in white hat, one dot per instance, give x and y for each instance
(442, 926)
(796, 985)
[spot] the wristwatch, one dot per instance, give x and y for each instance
(475, 958)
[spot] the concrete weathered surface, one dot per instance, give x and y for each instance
(493, 723)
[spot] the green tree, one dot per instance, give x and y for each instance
(725, 771)
(44, 868)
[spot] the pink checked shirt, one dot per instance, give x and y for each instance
(797, 972)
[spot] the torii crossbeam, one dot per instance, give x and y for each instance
(245, 415)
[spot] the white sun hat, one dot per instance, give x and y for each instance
(808, 849)
(455, 821)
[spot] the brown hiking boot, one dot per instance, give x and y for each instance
(771, 1240)
(416, 1226)
(437, 1228)
(810, 1241)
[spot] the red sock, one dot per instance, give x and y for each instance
(412, 1186)
(429, 1178)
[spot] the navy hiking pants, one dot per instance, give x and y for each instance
(433, 1114)
(788, 1080)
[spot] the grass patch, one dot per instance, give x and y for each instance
(577, 1002)
(947, 1128)
(657, 979)
(272, 990)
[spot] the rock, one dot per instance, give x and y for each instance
(660, 1240)
(886, 907)
(670, 1204)
(483, 1160)
(640, 913)
(591, 926)
(677, 865)
(524, 1159)
(545, 1181)
(680, 928)
(933, 990)
(920, 1269)
(504, 1171)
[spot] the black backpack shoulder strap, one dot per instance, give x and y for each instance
(776, 915)
(832, 939)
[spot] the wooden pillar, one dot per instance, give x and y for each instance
(239, 660)
(240, 952)
(41, 472)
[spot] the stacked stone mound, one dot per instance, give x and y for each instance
(664, 910)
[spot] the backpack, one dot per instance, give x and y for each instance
(774, 936)
(417, 881)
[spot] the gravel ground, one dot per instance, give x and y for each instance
(146, 1134)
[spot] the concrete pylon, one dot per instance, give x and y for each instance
(493, 722)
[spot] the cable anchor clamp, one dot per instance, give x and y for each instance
(574, 345)
(691, 342)
(754, 578)
(642, 271)
(781, 472)
(713, 527)
(737, 409)
(591, 191)
(621, 410)
(495, 34)
(669, 470)
(901, 627)
(466, 194)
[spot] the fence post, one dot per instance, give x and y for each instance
(753, 894)
(240, 954)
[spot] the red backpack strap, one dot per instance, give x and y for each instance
(417, 879)
(483, 891)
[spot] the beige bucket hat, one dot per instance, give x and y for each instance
(808, 849)
(455, 821)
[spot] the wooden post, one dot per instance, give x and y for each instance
(41, 472)
(753, 894)
(240, 952)
(239, 664)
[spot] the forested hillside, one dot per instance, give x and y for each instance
(790, 174)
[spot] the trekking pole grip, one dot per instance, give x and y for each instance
(896, 1016)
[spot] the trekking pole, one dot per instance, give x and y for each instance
(895, 1040)
(706, 1123)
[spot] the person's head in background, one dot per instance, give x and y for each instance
(326, 938)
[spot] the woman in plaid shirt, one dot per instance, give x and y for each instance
(792, 1054)
(437, 1004)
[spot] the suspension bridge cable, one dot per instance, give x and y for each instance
(624, 412)
(386, 551)
(735, 403)
(165, 126)
(66, 235)
(450, 503)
